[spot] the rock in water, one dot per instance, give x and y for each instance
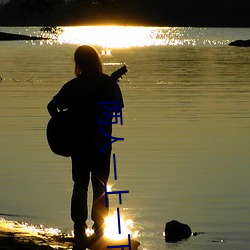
(176, 231)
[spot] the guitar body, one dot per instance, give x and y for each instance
(59, 133)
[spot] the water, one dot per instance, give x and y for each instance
(186, 128)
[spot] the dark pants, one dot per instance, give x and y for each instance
(86, 163)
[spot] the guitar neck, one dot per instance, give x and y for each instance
(119, 73)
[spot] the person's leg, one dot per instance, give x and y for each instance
(79, 207)
(99, 175)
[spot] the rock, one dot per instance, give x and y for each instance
(240, 43)
(12, 37)
(176, 231)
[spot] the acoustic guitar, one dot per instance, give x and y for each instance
(59, 127)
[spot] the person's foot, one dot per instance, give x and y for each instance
(79, 233)
(80, 242)
(79, 229)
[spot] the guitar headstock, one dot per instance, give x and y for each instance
(119, 73)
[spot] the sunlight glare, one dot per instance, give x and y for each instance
(106, 36)
(111, 37)
(23, 227)
(109, 188)
(111, 230)
(89, 232)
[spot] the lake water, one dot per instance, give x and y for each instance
(186, 131)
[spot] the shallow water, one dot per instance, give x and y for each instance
(185, 153)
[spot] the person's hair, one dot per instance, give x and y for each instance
(87, 60)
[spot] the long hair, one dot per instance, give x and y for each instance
(87, 60)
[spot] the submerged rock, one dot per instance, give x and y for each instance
(176, 231)
(240, 43)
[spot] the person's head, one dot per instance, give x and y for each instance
(87, 60)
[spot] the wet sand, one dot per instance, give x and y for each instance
(16, 240)
(15, 235)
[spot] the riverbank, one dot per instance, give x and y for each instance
(16, 236)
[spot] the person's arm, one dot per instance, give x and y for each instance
(52, 108)
(61, 100)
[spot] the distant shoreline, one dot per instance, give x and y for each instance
(15, 37)
(122, 24)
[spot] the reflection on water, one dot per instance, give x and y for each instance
(131, 36)
(126, 227)
(122, 37)
(106, 36)
(27, 228)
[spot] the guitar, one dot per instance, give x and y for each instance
(60, 126)
(119, 73)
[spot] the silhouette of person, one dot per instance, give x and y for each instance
(81, 96)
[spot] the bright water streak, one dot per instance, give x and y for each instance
(122, 37)
(131, 36)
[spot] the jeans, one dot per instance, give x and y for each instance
(86, 164)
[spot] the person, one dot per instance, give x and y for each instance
(82, 96)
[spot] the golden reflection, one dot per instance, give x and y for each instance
(25, 228)
(109, 188)
(89, 232)
(41, 232)
(111, 230)
(124, 36)
(106, 36)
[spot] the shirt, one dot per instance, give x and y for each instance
(81, 96)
